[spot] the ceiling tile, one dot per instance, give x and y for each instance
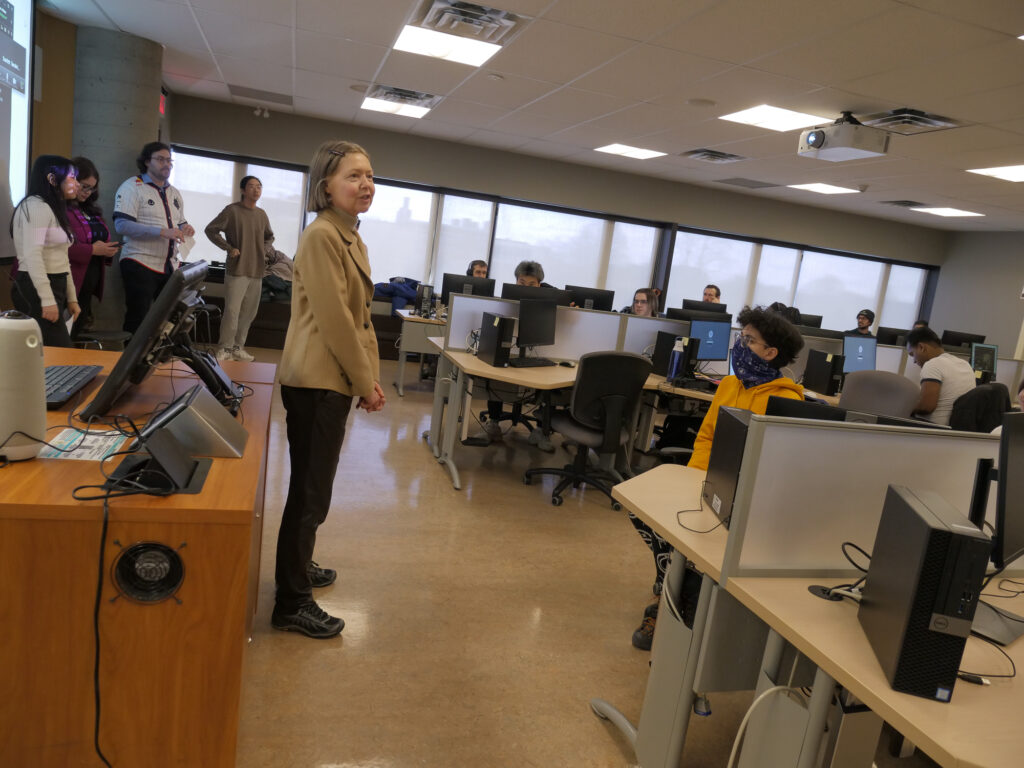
(269, 11)
(316, 85)
(376, 22)
(422, 73)
(646, 72)
(242, 38)
(508, 92)
(254, 73)
(335, 56)
(624, 19)
(198, 65)
(459, 112)
(999, 15)
(576, 106)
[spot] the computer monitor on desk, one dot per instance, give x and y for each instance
(714, 339)
(592, 298)
(703, 306)
(474, 286)
(983, 361)
(517, 292)
(895, 337)
(536, 327)
(672, 313)
(859, 353)
(810, 321)
(961, 338)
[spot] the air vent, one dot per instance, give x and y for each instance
(904, 203)
(477, 22)
(748, 183)
(712, 156)
(908, 121)
(403, 96)
(267, 97)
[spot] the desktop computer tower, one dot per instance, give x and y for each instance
(495, 339)
(921, 592)
(725, 461)
(824, 372)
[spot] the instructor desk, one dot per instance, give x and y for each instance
(170, 672)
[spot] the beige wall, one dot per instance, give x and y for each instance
(51, 117)
(234, 129)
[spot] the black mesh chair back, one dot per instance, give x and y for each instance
(981, 409)
(607, 393)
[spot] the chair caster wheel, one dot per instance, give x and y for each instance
(616, 506)
(527, 480)
(556, 501)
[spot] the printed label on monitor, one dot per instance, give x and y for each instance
(716, 504)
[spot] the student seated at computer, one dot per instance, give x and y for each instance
(529, 273)
(944, 377)
(645, 303)
(477, 268)
(864, 320)
(767, 343)
(712, 294)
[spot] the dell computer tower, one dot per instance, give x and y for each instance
(726, 460)
(495, 339)
(921, 592)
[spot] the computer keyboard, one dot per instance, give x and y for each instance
(63, 381)
(530, 362)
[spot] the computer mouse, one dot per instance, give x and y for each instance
(567, 364)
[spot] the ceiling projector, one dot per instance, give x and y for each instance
(845, 139)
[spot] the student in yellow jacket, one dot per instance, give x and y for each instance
(329, 364)
(767, 343)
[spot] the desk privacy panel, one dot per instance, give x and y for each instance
(807, 486)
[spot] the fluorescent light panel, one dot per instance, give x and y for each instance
(1006, 172)
(825, 189)
(946, 212)
(427, 42)
(775, 118)
(394, 107)
(627, 151)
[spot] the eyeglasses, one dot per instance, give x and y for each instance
(162, 159)
(87, 188)
(746, 341)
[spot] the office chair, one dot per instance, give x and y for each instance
(601, 415)
(879, 392)
(981, 409)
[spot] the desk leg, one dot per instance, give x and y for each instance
(400, 376)
(817, 713)
(658, 739)
(646, 426)
(442, 391)
(452, 425)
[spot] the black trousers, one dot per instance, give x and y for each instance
(26, 300)
(90, 283)
(141, 286)
(316, 429)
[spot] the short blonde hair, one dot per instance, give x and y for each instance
(323, 166)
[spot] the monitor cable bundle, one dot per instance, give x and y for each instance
(698, 508)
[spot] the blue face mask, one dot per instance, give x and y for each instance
(751, 369)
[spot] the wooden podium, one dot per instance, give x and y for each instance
(170, 672)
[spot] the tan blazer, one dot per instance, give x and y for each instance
(330, 342)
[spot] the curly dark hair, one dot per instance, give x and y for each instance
(776, 331)
(147, 152)
(87, 168)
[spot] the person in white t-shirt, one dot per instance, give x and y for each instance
(944, 377)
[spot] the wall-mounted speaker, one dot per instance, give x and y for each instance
(22, 387)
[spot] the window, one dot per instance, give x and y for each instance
(837, 288)
(698, 260)
(568, 246)
(630, 261)
(775, 274)
(465, 234)
(398, 230)
(903, 296)
(206, 184)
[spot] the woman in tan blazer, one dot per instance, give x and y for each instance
(329, 361)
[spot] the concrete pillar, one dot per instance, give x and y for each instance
(117, 97)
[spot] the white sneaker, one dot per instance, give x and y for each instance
(225, 354)
(492, 429)
(241, 355)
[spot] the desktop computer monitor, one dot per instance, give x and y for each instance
(547, 293)
(714, 339)
(824, 372)
(983, 358)
(811, 321)
(961, 338)
(893, 336)
(536, 326)
(165, 334)
(859, 353)
(703, 306)
(672, 313)
(475, 286)
(592, 298)
(803, 409)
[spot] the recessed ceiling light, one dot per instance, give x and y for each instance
(427, 42)
(394, 108)
(626, 151)
(825, 189)
(946, 212)
(1007, 172)
(775, 118)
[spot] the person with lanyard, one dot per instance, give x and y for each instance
(767, 342)
(150, 214)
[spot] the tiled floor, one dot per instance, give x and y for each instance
(478, 622)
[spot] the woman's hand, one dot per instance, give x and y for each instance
(374, 402)
(50, 313)
(74, 309)
(105, 249)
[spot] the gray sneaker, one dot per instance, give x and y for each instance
(539, 439)
(241, 355)
(492, 429)
(310, 620)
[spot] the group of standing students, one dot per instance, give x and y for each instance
(62, 245)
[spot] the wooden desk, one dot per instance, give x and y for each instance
(170, 672)
(414, 339)
(977, 729)
(446, 422)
